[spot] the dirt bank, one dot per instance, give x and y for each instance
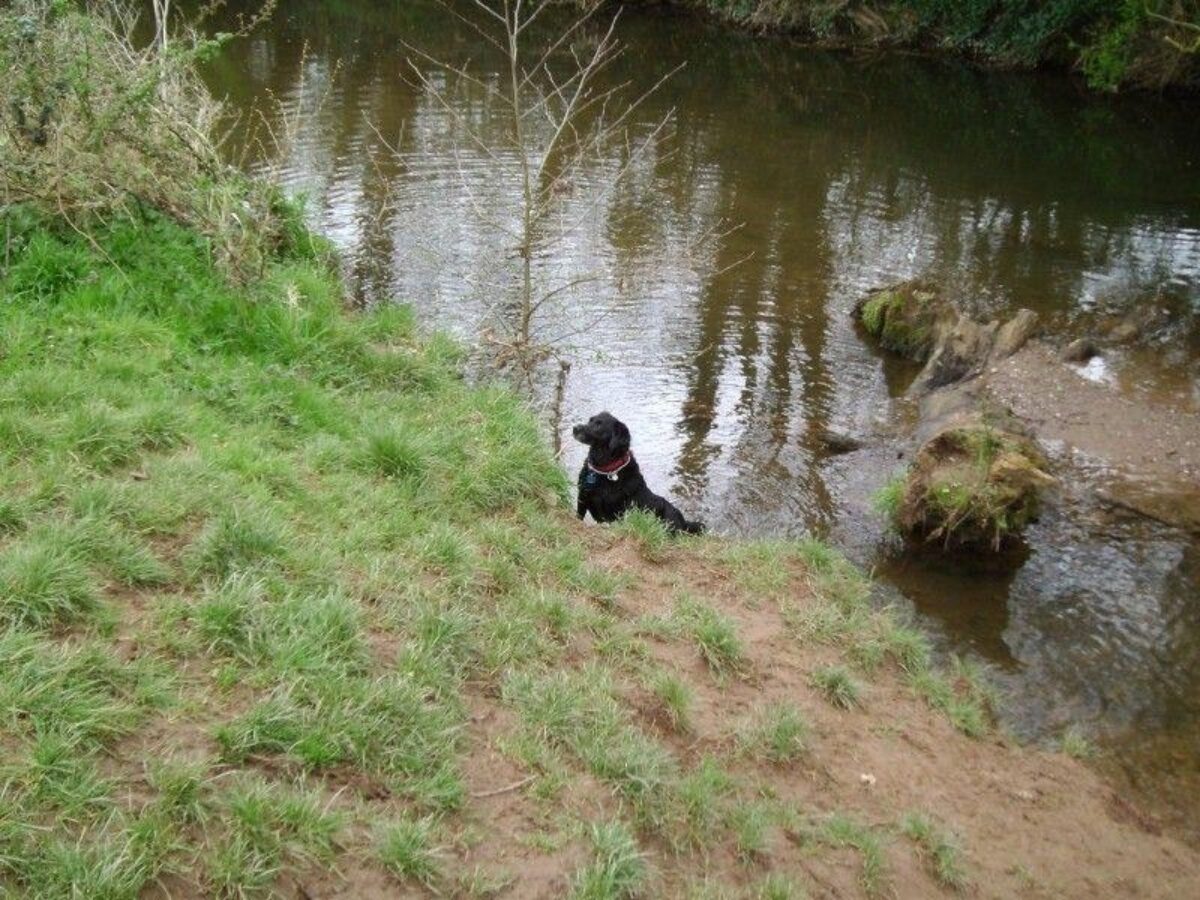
(1024, 822)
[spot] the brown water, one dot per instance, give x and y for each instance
(845, 173)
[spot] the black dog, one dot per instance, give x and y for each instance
(610, 482)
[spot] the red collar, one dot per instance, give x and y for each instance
(613, 467)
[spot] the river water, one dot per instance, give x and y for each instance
(720, 277)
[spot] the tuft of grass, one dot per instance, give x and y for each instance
(940, 849)
(676, 697)
(180, 786)
(482, 883)
(43, 585)
(778, 887)
(580, 712)
(776, 732)
(1075, 744)
(648, 533)
(713, 634)
(888, 498)
(750, 822)
(699, 799)
(837, 685)
(237, 541)
(386, 726)
(761, 567)
(268, 828)
(840, 830)
(817, 556)
(393, 453)
(618, 868)
(408, 849)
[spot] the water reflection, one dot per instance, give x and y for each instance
(729, 356)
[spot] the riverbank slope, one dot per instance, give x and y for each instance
(286, 605)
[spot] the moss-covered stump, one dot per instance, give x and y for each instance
(904, 318)
(972, 485)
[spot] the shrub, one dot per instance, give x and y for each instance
(94, 122)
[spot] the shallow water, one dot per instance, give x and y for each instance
(728, 356)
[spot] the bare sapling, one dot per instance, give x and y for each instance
(564, 114)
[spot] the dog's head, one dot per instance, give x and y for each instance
(604, 433)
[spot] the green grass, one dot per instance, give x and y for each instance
(246, 521)
(713, 633)
(648, 533)
(939, 848)
(750, 822)
(777, 733)
(617, 870)
(888, 498)
(408, 849)
(837, 685)
(840, 830)
(700, 799)
(1075, 744)
(676, 697)
(778, 887)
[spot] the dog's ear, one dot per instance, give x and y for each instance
(618, 441)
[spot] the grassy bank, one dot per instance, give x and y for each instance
(262, 563)
(1113, 44)
(288, 608)
(285, 605)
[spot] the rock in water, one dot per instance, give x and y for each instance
(973, 484)
(1014, 334)
(911, 319)
(835, 442)
(903, 318)
(1080, 350)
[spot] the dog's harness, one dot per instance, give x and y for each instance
(611, 471)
